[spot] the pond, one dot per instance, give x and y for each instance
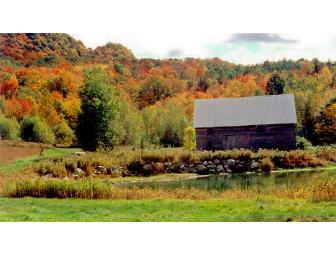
(263, 181)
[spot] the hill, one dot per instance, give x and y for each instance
(41, 76)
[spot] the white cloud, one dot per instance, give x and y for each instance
(158, 45)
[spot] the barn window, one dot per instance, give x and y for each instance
(261, 129)
(210, 131)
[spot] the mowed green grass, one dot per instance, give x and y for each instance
(22, 163)
(260, 209)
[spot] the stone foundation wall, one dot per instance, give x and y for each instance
(216, 166)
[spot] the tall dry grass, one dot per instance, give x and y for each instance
(320, 190)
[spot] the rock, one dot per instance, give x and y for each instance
(254, 166)
(79, 153)
(102, 169)
(220, 169)
(192, 170)
(231, 162)
(240, 168)
(229, 170)
(212, 166)
(212, 171)
(79, 172)
(48, 176)
(202, 169)
(205, 163)
(216, 162)
(147, 169)
(126, 173)
(167, 164)
(66, 178)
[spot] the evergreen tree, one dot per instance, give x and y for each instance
(275, 85)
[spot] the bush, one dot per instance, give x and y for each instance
(189, 138)
(63, 133)
(324, 190)
(34, 130)
(9, 128)
(57, 169)
(300, 158)
(303, 143)
(267, 165)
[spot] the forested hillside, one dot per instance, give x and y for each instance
(43, 78)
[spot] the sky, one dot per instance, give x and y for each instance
(240, 48)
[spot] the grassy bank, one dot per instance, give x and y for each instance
(25, 162)
(257, 209)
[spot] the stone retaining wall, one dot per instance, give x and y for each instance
(199, 167)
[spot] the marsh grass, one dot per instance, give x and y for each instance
(322, 189)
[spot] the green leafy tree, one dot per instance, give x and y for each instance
(35, 130)
(9, 128)
(98, 120)
(63, 133)
(189, 138)
(275, 85)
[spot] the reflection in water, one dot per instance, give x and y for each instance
(262, 181)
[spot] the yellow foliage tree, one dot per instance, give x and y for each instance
(189, 138)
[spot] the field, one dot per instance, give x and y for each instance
(8, 154)
(259, 209)
(98, 199)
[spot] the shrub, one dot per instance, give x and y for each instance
(300, 158)
(189, 138)
(9, 128)
(267, 165)
(63, 133)
(303, 143)
(57, 169)
(70, 166)
(324, 190)
(35, 130)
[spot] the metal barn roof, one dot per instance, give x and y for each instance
(244, 111)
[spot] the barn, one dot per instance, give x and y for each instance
(245, 122)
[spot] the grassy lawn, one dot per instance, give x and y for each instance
(260, 209)
(25, 162)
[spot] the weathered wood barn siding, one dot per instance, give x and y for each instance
(280, 136)
(246, 122)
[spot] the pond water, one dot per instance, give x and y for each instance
(262, 181)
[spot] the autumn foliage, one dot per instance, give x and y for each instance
(41, 75)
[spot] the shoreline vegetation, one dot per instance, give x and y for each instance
(322, 188)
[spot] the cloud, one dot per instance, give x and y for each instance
(259, 37)
(174, 53)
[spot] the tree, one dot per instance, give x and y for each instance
(189, 137)
(8, 85)
(9, 128)
(63, 133)
(98, 120)
(275, 85)
(35, 130)
(325, 124)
